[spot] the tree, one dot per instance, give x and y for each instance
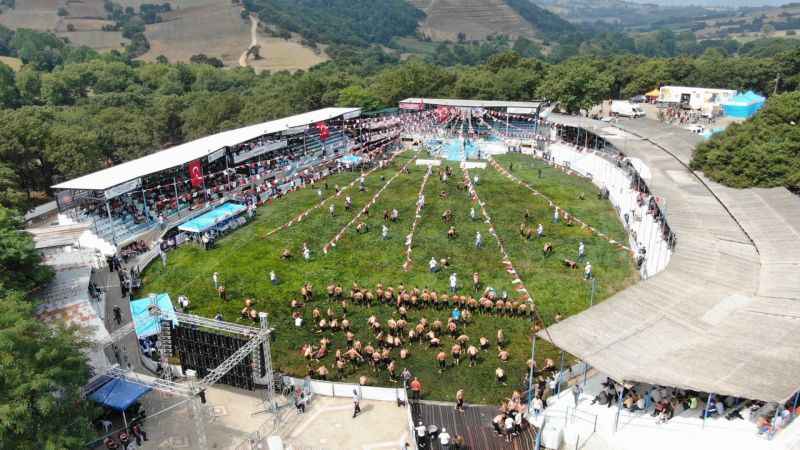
(24, 134)
(578, 83)
(29, 85)
(761, 151)
(359, 96)
(9, 95)
(20, 263)
(12, 195)
(42, 50)
(42, 372)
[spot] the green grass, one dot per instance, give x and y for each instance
(244, 259)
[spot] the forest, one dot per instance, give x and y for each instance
(70, 111)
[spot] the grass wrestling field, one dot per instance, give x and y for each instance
(245, 257)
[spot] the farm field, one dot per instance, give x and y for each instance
(245, 257)
(34, 14)
(215, 29)
(476, 18)
(14, 63)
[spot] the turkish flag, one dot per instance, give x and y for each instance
(324, 132)
(196, 173)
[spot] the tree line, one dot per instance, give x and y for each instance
(76, 111)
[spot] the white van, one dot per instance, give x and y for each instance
(625, 108)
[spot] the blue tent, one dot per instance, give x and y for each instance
(744, 105)
(119, 394)
(147, 324)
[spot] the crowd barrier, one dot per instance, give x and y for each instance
(643, 230)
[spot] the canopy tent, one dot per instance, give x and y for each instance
(147, 324)
(207, 221)
(653, 94)
(119, 394)
(199, 148)
(744, 105)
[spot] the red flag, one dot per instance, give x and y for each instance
(324, 132)
(196, 173)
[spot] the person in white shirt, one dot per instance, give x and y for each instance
(395, 215)
(215, 279)
(183, 301)
(306, 254)
(509, 427)
(478, 239)
(422, 432)
(272, 277)
(587, 271)
(540, 230)
(555, 215)
(319, 193)
(453, 283)
(385, 232)
(472, 213)
(444, 439)
(434, 266)
(332, 209)
(581, 250)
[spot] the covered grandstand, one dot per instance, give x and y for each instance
(721, 318)
(127, 200)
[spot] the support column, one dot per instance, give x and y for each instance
(619, 406)
(177, 200)
(530, 371)
(705, 410)
(199, 423)
(113, 227)
(560, 374)
(144, 202)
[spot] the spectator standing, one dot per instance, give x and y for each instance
(356, 404)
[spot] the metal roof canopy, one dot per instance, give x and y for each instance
(719, 318)
(190, 151)
(472, 103)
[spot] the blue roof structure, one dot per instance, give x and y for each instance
(147, 324)
(210, 219)
(744, 105)
(119, 394)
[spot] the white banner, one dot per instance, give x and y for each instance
(243, 156)
(216, 155)
(511, 110)
(352, 115)
(293, 131)
(122, 188)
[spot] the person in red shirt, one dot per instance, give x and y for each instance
(416, 388)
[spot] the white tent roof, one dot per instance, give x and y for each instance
(472, 103)
(190, 151)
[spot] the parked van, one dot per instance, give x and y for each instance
(625, 108)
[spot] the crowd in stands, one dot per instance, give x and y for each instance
(306, 156)
(664, 403)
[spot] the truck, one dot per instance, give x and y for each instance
(695, 98)
(625, 108)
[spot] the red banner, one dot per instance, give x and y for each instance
(324, 132)
(196, 173)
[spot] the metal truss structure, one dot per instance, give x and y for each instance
(195, 390)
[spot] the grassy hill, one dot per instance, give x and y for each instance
(476, 19)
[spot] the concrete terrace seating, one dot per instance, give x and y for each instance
(722, 316)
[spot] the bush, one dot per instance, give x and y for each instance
(761, 151)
